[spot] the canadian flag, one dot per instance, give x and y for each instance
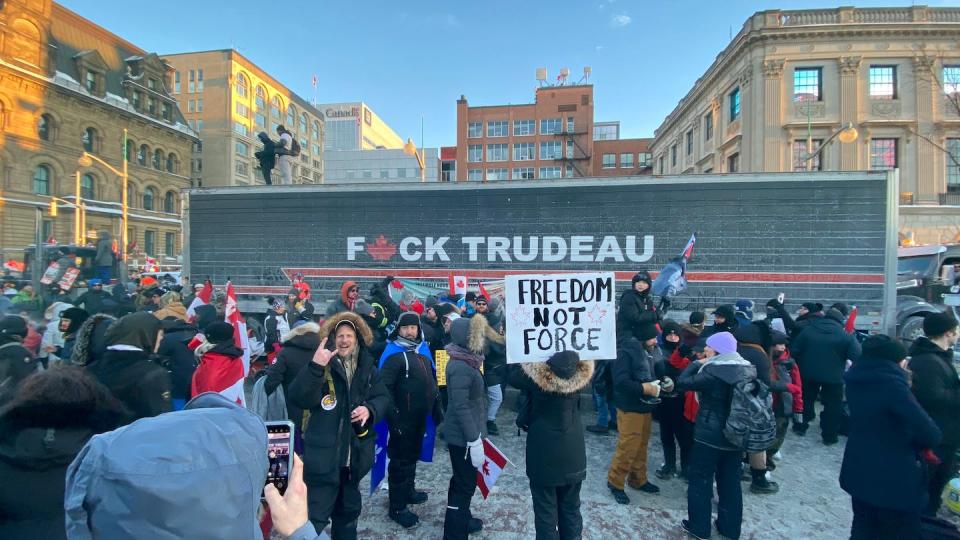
(493, 465)
(458, 285)
(851, 324)
(240, 338)
(150, 264)
(202, 299)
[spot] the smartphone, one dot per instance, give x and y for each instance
(280, 454)
(781, 297)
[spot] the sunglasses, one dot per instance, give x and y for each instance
(481, 303)
(353, 289)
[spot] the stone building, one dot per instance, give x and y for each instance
(68, 86)
(791, 79)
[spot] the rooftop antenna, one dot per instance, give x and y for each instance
(562, 78)
(586, 74)
(542, 75)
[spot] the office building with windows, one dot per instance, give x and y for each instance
(69, 86)
(229, 100)
(378, 166)
(790, 79)
(354, 126)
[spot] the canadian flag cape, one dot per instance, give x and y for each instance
(226, 378)
(202, 299)
(494, 463)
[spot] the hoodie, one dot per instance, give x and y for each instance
(937, 387)
(343, 303)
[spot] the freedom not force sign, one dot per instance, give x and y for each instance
(550, 313)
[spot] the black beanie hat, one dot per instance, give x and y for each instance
(471, 296)
(12, 325)
(219, 332)
(646, 331)
(726, 311)
(938, 324)
(670, 327)
(697, 317)
(813, 307)
(408, 318)
(443, 309)
(642, 275)
(882, 347)
(564, 364)
(778, 338)
(76, 316)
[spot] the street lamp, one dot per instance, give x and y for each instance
(86, 160)
(846, 135)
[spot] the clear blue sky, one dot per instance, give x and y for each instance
(413, 59)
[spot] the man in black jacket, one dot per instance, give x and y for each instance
(724, 320)
(636, 307)
(179, 359)
(636, 381)
(411, 382)
(822, 350)
(93, 299)
(937, 387)
(298, 347)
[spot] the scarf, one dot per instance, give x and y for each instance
(457, 352)
(408, 344)
(349, 362)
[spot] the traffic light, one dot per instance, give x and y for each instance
(53, 208)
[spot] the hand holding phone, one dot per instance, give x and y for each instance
(280, 455)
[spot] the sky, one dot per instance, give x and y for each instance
(412, 60)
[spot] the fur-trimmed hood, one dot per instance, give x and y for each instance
(331, 323)
(548, 381)
(83, 350)
(302, 330)
(480, 333)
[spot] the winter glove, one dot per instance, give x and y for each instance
(797, 418)
(385, 282)
(475, 449)
(666, 384)
(655, 392)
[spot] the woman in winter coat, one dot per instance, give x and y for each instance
(464, 426)
(91, 342)
(128, 369)
(220, 368)
(171, 306)
(341, 389)
(556, 453)
(889, 430)
(786, 387)
(297, 350)
(50, 418)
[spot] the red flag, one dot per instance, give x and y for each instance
(240, 337)
(851, 320)
(688, 250)
(483, 291)
(202, 299)
(494, 463)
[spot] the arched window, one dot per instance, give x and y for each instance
(241, 85)
(261, 98)
(131, 196)
(291, 117)
(45, 127)
(130, 149)
(86, 186)
(303, 124)
(41, 180)
(142, 155)
(89, 139)
(158, 159)
(316, 131)
(170, 203)
(276, 107)
(149, 196)
(171, 163)
(25, 42)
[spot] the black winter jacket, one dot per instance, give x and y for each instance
(330, 434)
(142, 385)
(556, 452)
(494, 364)
(636, 310)
(713, 381)
(633, 367)
(92, 301)
(412, 385)
(937, 387)
(16, 364)
(179, 359)
(822, 350)
(298, 348)
(888, 429)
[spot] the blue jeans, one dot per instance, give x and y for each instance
(103, 273)
(605, 409)
(495, 397)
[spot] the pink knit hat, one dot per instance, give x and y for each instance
(722, 342)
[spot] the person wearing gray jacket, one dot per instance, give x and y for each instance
(103, 260)
(464, 426)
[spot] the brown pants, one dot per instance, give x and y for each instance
(630, 458)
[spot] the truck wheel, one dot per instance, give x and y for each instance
(911, 329)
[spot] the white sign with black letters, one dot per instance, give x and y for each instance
(551, 313)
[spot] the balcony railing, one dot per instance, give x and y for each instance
(950, 199)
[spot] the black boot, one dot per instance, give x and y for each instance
(417, 497)
(405, 518)
(455, 524)
(760, 485)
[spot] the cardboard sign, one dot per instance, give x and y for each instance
(551, 313)
(69, 277)
(50, 273)
(441, 358)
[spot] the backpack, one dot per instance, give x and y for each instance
(294, 147)
(750, 425)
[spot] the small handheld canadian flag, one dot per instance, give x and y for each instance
(494, 463)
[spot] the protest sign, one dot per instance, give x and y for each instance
(550, 313)
(70, 276)
(50, 273)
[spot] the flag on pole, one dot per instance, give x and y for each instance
(688, 250)
(494, 463)
(314, 81)
(458, 285)
(240, 338)
(483, 291)
(851, 320)
(201, 299)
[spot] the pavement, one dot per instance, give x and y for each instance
(810, 504)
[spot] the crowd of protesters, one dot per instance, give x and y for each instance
(130, 379)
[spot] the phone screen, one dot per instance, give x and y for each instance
(280, 454)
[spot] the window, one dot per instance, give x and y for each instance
(316, 135)
(137, 99)
(46, 229)
(570, 124)
(498, 174)
(176, 82)
(660, 165)
(199, 125)
(149, 197)
(524, 127)
(549, 126)
(260, 120)
(190, 84)
(734, 98)
(45, 127)
(733, 163)
(953, 165)
(152, 84)
(190, 104)
(150, 243)
(707, 126)
(169, 241)
(689, 138)
(89, 139)
(800, 155)
(90, 82)
(242, 168)
(609, 161)
(241, 85)
(523, 173)
(550, 150)
(951, 80)
(166, 111)
(170, 203)
(568, 171)
(498, 152)
(199, 80)
(275, 106)
(171, 163)
(243, 110)
(497, 129)
(315, 149)
(883, 154)
(128, 154)
(41, 180)
(645, 159)
(303, 124)
(606, 132)
(807, 84)
(883, 82)
(626, 161)
(131, 195)
(569, 153)
(240, 128)
(475, 175)
(474, 130)
(549, 172)
(142, 155)
(475, 153)
(199, 105)
(157, 159)
(402, 172)
(260, 98)
(291, 117)
(152, 105)
(673, 155)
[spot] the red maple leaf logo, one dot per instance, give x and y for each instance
(381, 249)
(461, 284)
(486, 467)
